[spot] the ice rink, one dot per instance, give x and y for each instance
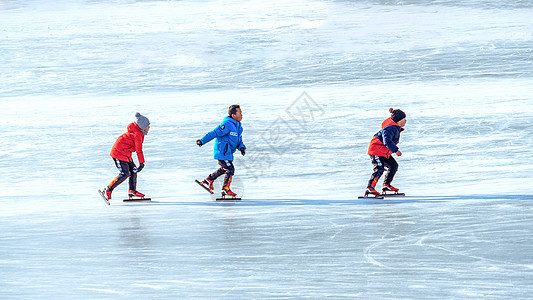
(314, 80)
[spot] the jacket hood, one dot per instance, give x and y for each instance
(135, 128)
(228, 118)
(388, 122)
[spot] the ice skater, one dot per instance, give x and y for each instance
(125, 145)
(228, 139)
(382, 146)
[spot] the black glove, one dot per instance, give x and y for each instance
(141, 166)
(199, 143)
(243, 151)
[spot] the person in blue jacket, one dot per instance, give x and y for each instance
(228, 139)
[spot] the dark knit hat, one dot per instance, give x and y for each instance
(396, 114)
(142, 121)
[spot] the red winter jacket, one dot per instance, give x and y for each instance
(129, 142)
(391, 135)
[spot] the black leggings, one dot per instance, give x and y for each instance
(380, 163)
(226, 167)
(126, 169)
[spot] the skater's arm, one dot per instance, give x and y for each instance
(388, 134)
(241, 147)
(139, 138)
(241, 144)
(221, 130)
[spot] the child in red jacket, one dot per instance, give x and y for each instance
(382, 146)
(126, 144)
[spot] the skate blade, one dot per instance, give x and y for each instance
(103, 197)
(229, 199)
(137, 200)
(392, 194)
(370, 197)
(205, 188)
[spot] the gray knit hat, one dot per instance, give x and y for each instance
(142, 121)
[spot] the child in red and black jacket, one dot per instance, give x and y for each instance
(382, 146)
(126, 144)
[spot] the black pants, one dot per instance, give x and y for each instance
(380, 163)
(126, 169)
(226, 167)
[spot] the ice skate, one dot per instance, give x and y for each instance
(227, 194)
(107, 193)
(371, 192)
(389, 190)
(206, 184)
(132, 194)
(135, 196)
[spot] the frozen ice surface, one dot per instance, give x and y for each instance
(74, 74)
(430, 247)
(464, 232)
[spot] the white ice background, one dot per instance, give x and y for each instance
(73, 74)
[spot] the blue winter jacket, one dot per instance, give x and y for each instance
(228, 139)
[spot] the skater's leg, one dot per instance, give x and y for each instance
(133, 176)
(392, 167)
(222, 170)
(378, 170)
(123, 168)
(229, 170)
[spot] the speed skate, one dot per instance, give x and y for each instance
(205, 187)
(390, 191)
(223, 197)
(133, 198)
(228, 195)
(103, 197)
(384, 193)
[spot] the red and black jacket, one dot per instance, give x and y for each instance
(384, 142)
